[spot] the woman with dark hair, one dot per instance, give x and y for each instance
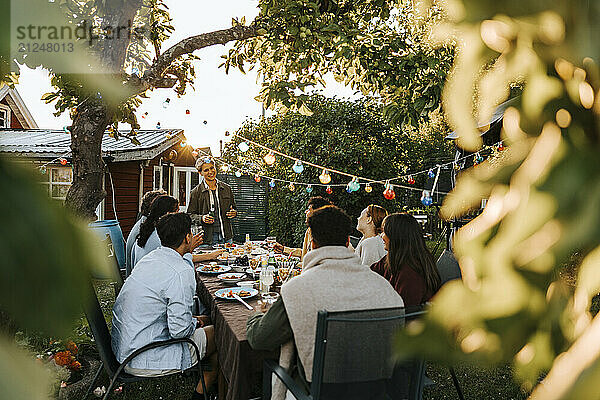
(409, 265)
(371, 248)
(148, 240)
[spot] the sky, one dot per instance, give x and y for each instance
(224, 101)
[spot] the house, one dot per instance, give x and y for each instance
(13, 112)
(161, 160)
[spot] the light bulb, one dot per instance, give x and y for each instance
(166, 102)
(309, 189)
(269, 158)
(243, 146)
(256, 178)
(325, 178)
(298, 167)
(238, 174)
(272, 183)
(292, 187)
(368, 188)
(328, 190)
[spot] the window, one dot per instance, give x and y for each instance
(186, 178)
(4, 116)
(158, 178)
(58, 181)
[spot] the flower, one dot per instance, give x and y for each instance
(63, 358)
(75, 366)
(72, 347)
(99, 391)
(63, 384)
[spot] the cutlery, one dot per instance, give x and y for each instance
(238, 298)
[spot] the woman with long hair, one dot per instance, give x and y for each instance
(409, 266)
(371, 248)
(148, 240)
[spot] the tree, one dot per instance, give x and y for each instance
(353, 137)
(543, 200)
(369, 45)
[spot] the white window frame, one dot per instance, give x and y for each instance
(188, 184)
(49, 184)
(6, 110)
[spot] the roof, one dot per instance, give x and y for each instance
(496, 116)
(17, 106)
(48, 143)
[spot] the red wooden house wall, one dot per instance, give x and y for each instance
(14, 121)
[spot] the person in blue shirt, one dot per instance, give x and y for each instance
(135, 231)
(155, 304)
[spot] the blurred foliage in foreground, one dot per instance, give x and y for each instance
(544, 200)
(47, 257)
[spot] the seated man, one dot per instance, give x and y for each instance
(313, 203)
(155, 304)
(294, 314)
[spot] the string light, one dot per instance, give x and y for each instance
(238, 174)
(256, 178)
(298, 167)
(430, 173)
(63, 161)
(389, 192)
(165, 103)
(66, 129)
(368, 188)
(328, 190)
(354, 186)
(183, 144)
(187, 112)
(309, 189)
(43, 170)
(292, 187)
(272, 183)
(195, 153)
(158, 125)
(411, 180)
(243, 147)
(269, 158)
(426, 198)
(325, 178)
(144, 115)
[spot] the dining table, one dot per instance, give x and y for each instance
(240, 365)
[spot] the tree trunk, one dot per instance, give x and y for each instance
(86, 192)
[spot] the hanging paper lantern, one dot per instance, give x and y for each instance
(238, 174)
(269, 158)
(426, 198)
(501, 146)
(298, 167)
(309, 189)
(368, 188)
(328, 190)
(272, 183)
(292, 187)
(243, 146)
(349, 189)
(325, 178)
(256, 178)
(166, 102)
(63, 161)
(205, 122)
(456, 167)
(195, 153)
(158, 125)
(66, 129)
(226, 133)
(411, 180)
(43, 169)
(187, 112)
(183, 144)
(354, 185)
(144, 115)
(172, 155)
(389, 192)
(431, 174)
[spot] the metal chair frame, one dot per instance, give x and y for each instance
(108, 358)
(272, 367)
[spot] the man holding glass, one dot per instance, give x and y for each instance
(213, 203)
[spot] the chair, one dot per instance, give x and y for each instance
(113, 368)
(448, 267)
(344, 362)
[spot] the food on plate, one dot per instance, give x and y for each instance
(231, 276)
(241, 293)
(212, 268)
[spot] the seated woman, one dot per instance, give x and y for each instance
(371, 248)
(148, 239)
(409, 265)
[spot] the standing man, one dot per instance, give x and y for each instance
(213, 201)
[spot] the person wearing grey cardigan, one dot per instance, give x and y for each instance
(294, 315)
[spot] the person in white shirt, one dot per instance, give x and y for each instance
(371, 248)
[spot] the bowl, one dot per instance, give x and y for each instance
(231, 278)
(247, 284)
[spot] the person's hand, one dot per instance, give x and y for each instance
(203, 320)
(196, 240)
(278, 247)
(217, 252)
(231, 213)
(207, 219)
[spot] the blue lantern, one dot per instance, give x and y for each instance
(238, 174)
(354, 185)
(272, 183)
(309, 189)
(298, 167)
(431, 174)
(426, 198)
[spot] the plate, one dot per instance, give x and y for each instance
(244, 293)
(213, 270)
(231, 277)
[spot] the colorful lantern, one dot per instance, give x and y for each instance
(243, 147)
(328, 190)
(256, 178)
(325, 178)
(298, 167)
(269, 158)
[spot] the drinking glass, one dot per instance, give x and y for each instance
(271, 240)
(266, 280)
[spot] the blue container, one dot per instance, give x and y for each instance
(112, 228)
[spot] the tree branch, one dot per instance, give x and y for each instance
(154, 76)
